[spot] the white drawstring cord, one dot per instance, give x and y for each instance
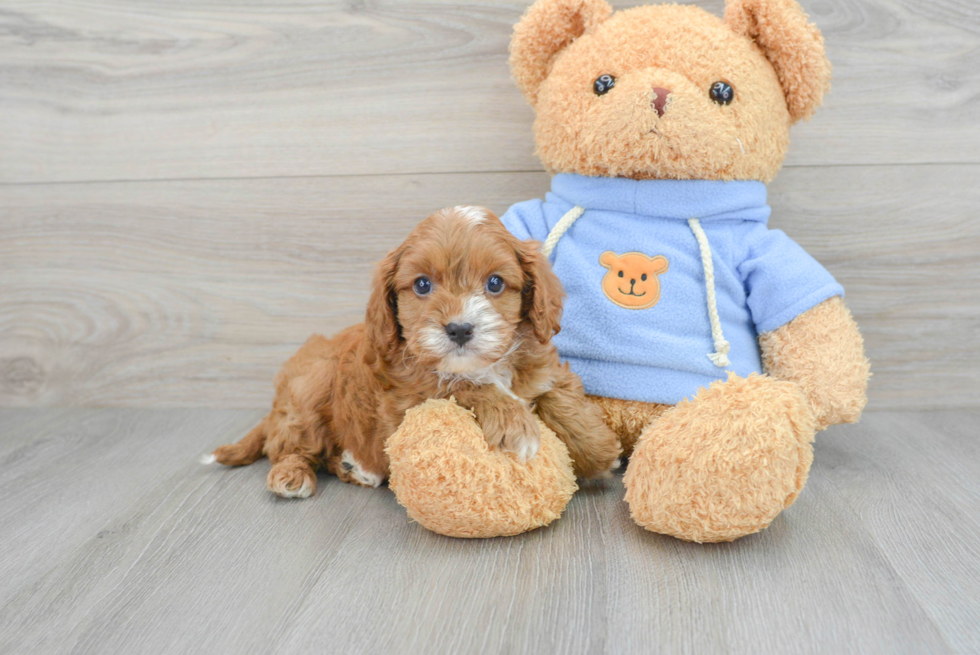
(560, 228)
(720, 357)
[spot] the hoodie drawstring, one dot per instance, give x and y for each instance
(720, 357)
(560, 228)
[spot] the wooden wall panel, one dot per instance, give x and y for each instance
(142, 89)
(191, 293)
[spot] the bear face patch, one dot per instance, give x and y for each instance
(631, 281)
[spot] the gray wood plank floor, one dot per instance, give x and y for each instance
(115, 540)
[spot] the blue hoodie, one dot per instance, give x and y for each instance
(664, 352)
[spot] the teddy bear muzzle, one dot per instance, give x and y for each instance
(659, 102)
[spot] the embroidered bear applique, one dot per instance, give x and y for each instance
(631, 281)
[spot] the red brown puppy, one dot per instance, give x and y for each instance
(461, 308)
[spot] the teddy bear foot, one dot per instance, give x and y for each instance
(450, 481)
(724, 464)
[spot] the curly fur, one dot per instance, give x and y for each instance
(338, 400)
(628, 418)
(822, 351)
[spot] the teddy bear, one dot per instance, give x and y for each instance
(662, 125)
(715, 346)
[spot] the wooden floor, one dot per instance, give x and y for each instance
(114, 539)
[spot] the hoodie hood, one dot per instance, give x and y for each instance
(706, 200)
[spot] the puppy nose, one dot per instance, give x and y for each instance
(460, 333)
(660, 99)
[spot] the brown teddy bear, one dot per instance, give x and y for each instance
(715, 346)
(663, 124)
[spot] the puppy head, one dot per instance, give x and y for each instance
(461, 292)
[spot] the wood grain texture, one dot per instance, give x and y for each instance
(912, 484)
(137, 548)
(123, 89)
(81, 468)
(171, 294)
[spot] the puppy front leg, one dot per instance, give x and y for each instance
(507, 423)
(593, 446)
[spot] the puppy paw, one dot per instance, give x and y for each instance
(352, 472)
(290, 478)
(513, 430)
(523, 444)
(608, 473)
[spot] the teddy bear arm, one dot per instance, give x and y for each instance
(822, 351)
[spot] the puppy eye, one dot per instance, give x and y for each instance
(495, 284)
(422, 286)
(603, 83)
(620, 274)
(643, 277)
(722, 92)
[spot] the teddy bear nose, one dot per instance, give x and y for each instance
(660, 99)
(459, 334)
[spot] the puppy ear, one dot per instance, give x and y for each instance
(381, 317)
(791, 43)
(542, 293)
(547, 28)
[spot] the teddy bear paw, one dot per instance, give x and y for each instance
(452, 482)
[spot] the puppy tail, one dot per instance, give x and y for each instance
(246, 451)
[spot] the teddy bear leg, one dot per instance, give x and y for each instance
(724, 464)
(628, 418)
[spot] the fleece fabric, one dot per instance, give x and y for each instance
(659, 354)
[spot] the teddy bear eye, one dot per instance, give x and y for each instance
(620, 274)
(644, 277)
(603, 83)
(722, 92)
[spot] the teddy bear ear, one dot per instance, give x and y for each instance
(608, 259)
(547, 28)
(792, 44)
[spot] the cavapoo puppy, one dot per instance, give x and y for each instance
(461, 308)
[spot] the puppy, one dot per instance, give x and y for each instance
(461, 308)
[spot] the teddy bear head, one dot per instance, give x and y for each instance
(668, 91)
(631, 280)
